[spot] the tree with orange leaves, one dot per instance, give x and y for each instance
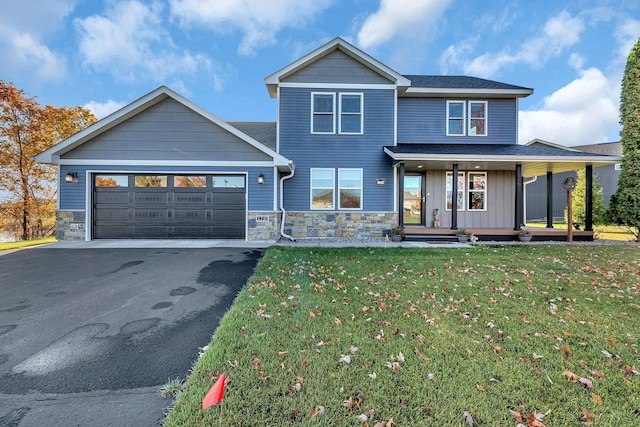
(27, 187)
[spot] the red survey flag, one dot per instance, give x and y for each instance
(215, 395)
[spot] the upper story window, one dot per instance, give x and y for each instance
(477, 118)
(455, 118)
(351, 113)
(323, 113)
(459, 123)
(349, 116)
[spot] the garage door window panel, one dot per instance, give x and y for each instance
(189, 181)
(227, 181)
(112, 181)
(151, 181)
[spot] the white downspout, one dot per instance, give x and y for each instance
(284, 213)
(524, 195)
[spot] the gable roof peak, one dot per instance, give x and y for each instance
(338, 43)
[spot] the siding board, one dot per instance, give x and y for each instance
(336, 67)
(167, 131)
(338, 151)
(423, 120)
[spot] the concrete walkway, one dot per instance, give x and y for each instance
(203, 244)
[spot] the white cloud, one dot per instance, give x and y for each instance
(583, 112)
(103, 109)
(22, 33)
(129, 41)
(559, 33)
(407, 18)
(258, 20)
(627, 35)
(576, 61)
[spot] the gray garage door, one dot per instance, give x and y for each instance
(168, 206)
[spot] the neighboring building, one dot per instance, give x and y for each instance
(607, 177)
(358, 149)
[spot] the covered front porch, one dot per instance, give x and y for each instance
(489, 188)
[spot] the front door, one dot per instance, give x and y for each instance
(413, 206)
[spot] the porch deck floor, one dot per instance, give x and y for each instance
(415, 232)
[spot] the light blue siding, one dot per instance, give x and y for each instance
(338, 151)
(423, 120)
(72, 195)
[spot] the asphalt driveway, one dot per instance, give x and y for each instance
(88, 336)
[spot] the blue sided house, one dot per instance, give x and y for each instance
(357, 150)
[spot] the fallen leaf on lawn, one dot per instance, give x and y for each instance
(312, 314)
(497, 349)
(630, 370)
(346, 359)
(469, 352)
(354, 349)
(430, 376)
(586, 418)
(304, 362)
(468, 418)
(570, 376)
(362, 418)
(586, 382)
(596, 398)
(373, 376)
(318, 410)
(283, 353)
(400, 357)
(294, 414)
(607, 354)
(517, 416)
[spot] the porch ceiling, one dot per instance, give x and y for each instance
(535, 161)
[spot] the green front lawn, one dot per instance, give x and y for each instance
(320, 336)
(26, 243)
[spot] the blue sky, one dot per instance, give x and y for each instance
(105, 54)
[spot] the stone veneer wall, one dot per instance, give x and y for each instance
(263, 226)
(339, 224)
(70, 225)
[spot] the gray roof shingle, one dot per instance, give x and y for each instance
(458, 82)
(514, 150)
(263, 132)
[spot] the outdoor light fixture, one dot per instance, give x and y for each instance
(70, 177)
(260, 179)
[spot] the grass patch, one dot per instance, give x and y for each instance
(320, 336)
(26, 243)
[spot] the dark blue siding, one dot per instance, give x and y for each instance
(338, 151)
(72, 195)
(424, 120)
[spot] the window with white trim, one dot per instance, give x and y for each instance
(350, 188)
(477, 118)
(455, 118)
(323, 113)
(322, 188)
(467, 118)
(351, 106)
(449, 191)
(477, 191)
(472, 191)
